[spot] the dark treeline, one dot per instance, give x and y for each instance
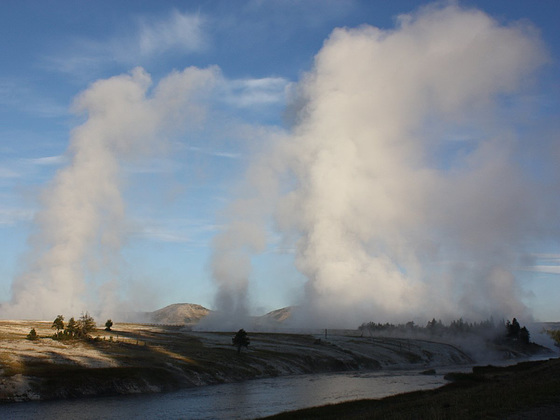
(489, 329)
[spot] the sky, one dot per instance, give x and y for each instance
(250, 155)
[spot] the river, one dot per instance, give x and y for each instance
(244, 400)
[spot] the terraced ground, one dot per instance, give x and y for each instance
(136, 358)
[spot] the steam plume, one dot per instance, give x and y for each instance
(81, 225)
(410, 191)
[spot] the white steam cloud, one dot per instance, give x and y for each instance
(404, 186)
(409, 190)
(73, 261)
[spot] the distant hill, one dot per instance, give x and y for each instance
(190, 314)
(274, 318)
(179, 314)
(279, 315)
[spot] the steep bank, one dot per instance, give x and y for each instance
(137, 358)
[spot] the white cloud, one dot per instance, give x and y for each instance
(358, 188)
(81, 225)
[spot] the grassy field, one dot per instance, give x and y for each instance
(529, 390)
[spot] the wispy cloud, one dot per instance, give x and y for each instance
(8, 173)
(544, 263)
(18, 168)
(216, 153)
(246, 93)
(12, 216)
(19, 95)
(47, 160)
(180, 31)
(152, 166)
(161, 234)
(175, 230)
(548, 269)
(177, 32)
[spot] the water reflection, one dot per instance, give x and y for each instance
(243, 400)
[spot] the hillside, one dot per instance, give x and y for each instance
(188, 314)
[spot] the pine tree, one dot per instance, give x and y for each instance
(85, 325)
(72, 327)
(58, 323)
(240, 339)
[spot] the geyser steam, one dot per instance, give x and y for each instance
(81, 225)
(409, 188)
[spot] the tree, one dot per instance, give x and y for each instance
(513, 328)
(241, 339)
(58, 323)
(72, 327)
(108, 325)
(524, 336)
(85, 325)
(32, 335)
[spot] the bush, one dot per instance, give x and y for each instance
(32, 335)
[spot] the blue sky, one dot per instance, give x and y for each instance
(176, 196)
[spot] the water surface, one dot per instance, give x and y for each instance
(244, 400)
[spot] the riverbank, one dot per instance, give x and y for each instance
(136, 358)
(528, 390)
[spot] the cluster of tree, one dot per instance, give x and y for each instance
(488, 328)
(82, 328)
(514, 331)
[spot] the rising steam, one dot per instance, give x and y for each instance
(408, 186)
(81, 226)
(404, 186)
